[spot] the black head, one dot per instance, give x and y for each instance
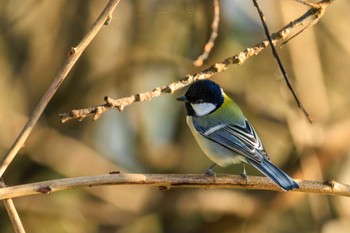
(203, 91)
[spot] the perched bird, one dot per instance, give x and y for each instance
(225, 135)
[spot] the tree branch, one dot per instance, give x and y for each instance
(279, 62)
(321, 6)
(15, 219)
(314, 14)
(214, 34)
(167, 181)
(73, 56)
(12, 212)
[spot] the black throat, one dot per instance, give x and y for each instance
(189, 109)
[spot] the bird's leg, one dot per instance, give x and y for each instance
(209, 171)
(244, 172)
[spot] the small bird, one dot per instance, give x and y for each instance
(225, 135)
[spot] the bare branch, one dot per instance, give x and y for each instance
(238, 59)
(214, 34)
(310, 4)
(279, 62)
(12, 212)
(321, 6)
(167, 181)
(73, 56)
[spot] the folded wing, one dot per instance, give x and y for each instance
(243, 140)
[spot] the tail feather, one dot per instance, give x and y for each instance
(275, 174)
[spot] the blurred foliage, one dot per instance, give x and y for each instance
(148, 44)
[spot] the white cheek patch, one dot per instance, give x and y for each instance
(203, 109)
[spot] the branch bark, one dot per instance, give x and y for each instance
(214, 34)
(313, 14)
(168, 181)
(279, 61)
(73, 56)
(12, 212)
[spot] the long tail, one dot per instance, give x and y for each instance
(275, 174)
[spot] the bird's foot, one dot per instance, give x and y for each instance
(209, 172)
(244, 174)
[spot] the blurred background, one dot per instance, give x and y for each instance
(149, 44)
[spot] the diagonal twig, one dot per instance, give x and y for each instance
(321, 9)
(12, 212)
(240, 58)
(214, 34)
(167, 181)
(74, 55)
(280, 65)
(310, 4)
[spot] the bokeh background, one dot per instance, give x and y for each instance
(149, 44)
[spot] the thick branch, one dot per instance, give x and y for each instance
(167, 181)
(313, 14)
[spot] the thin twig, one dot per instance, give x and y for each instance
(12, 212)
(74, 55)
(214, 34)
(321, 8)
(310, 4)
(167, 181)
(120, 104)
(275, 54)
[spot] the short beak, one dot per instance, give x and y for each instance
(182, 99)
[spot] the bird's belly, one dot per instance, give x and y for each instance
(217, 153)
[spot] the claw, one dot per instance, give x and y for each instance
(244, 173)
(244, 176)
(209, 172)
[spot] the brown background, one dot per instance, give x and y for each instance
(152, 43)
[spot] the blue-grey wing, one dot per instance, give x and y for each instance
(242, 139)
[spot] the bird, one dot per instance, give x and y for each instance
(224, 133)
